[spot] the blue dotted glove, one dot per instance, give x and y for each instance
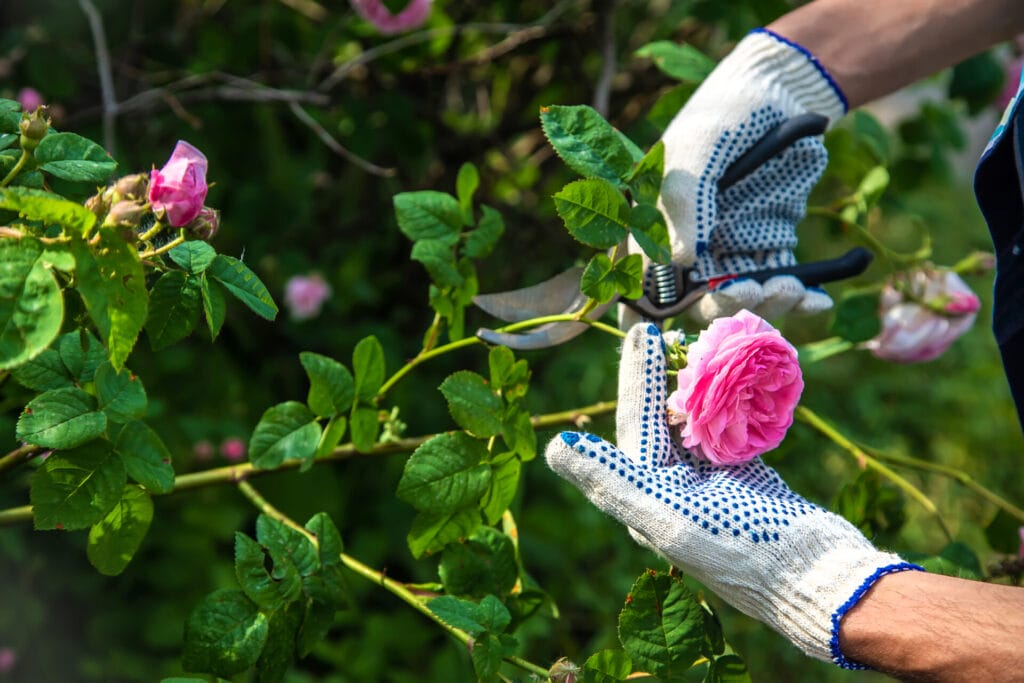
(739, 530)
(751, 225)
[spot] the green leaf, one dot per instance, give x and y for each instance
(316, 623)
(487, 616)
(76, 488)
(872, 505)
(195, 256)
(517, 432)
(287, 545)
(432, 531)
(438, 257)
(243, 284)
(466, 184)
(978, 80)
(146, 457)
(31, 304)
(607, 666)
(287, 431)
(279, 652)
(331, 387)
(586, 142)
(645, 180)
(121, 394)
(334, 432)
(44, 372)
(214, 305)
(368, 364)
(727, 669)
(473, 404)
(174, 304)
(508, 375)
(488, 653)
(82, 354)
(480, 241)
(502, 490)
(856, 317)
(594, 212)
(873, 185)
(47, 208)
(602, 279)
(225, 634)
(114, 540)
(61, 418)
(364, 424)
(661, 626)
(445, 474)
(328, 538)
(482, 564)
(268, 592)
(110, 279)
(956, 559)
(682, 62)
(1003, 533)
(73, 157)
(647, 225)
(428, 215)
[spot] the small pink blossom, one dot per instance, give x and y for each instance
(1020, 552)
(179, 188)
(202, 450)
(304, 295)
(375, 12)
(923, 313)
(738, 391)
(233, 449)
(30, 99)
(8, 658)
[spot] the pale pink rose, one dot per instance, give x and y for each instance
(738, 391)
(30, 99)
(923, 313)
(304, 295)
(375, 12)
(179, 188)
(8, 658)
(233, 449)
(202, 450)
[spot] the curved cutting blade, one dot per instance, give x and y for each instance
(560, 294)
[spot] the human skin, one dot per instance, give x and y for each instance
(913, 625)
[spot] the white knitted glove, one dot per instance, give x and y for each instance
(764, 81)
(739, 530)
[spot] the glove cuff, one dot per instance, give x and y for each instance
(768, 58)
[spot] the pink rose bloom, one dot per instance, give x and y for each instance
(738, 391)
(375, 12)
(179, 188)
(8, 658)
(233, 449)
(304, 295)
(923, 316)
(30, 99)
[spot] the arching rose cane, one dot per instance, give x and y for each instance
(738, 391)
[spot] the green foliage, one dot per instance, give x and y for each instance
(115, 539)
(588, 144)
(661, 626)
(680, 61)
(76, 488)
(31, 307)
(287, 431)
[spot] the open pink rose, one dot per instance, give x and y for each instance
(738, 391)
(304, 295)
(375, 12)
(922, 315)
(179, 188)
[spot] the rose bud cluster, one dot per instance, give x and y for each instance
(923, 312)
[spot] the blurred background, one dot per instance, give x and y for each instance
(312, 119)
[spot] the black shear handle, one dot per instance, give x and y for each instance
(771, 143)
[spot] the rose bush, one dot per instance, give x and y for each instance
(178, 190)
(922, 314)
(738, 390)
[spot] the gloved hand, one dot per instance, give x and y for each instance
(764, 81)
(739, 530)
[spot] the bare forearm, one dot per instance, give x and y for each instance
(928, 627)
(873, 47)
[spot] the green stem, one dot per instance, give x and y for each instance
(180, 239)
(22, 160)
(811, 418)
(18, 456)
(152, 232)
(470, 341)
(873, 243)
(957, 475)
(394, 587)
(234, 474)
(432, 332)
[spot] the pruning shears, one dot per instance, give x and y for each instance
(667, 289)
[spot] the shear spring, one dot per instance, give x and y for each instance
(665, 289)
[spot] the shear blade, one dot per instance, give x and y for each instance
(560, 294)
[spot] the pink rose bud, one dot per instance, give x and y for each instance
(30, 99)
(206, 224)
(179, 188)
(738, 391)
(233, 449)
(922, 315)
(304, 295)
(375, 12)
